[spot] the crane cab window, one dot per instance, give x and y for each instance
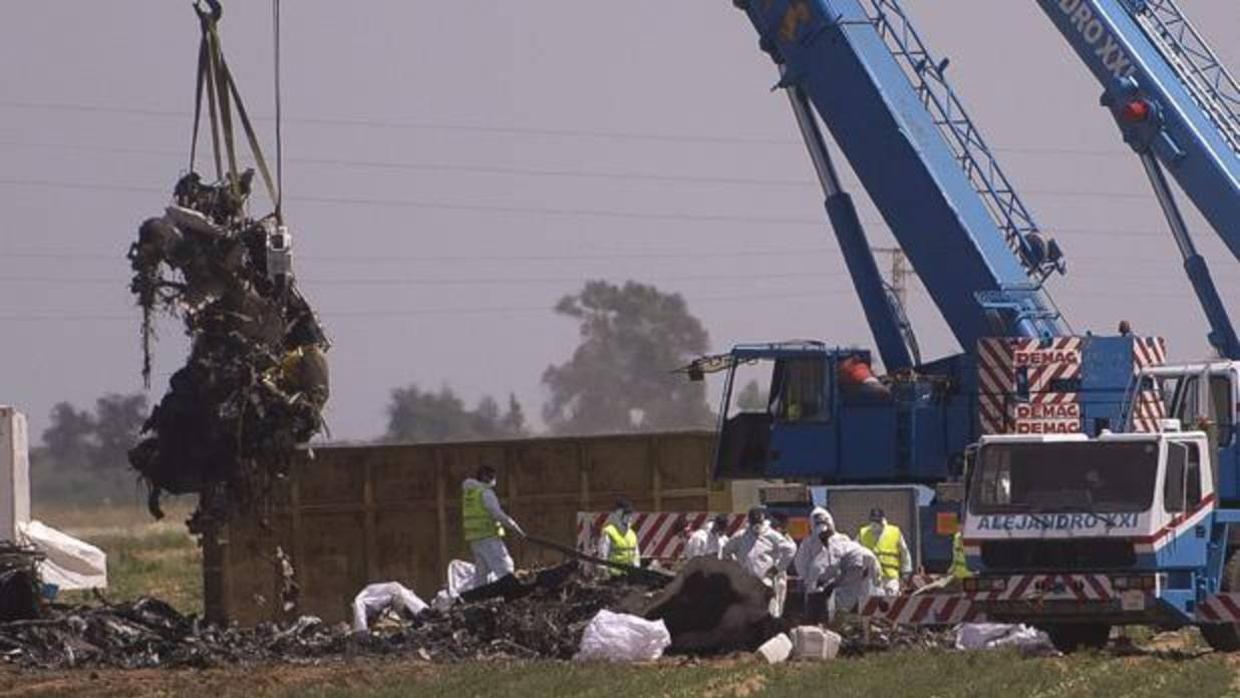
(1182, 488)
(1222, 405)
(798, 391)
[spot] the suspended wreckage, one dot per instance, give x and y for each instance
(256, 380)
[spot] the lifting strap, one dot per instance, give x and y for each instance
(216, 81)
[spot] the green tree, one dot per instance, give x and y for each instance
(417, 415)
(620, 376)
(84, 456)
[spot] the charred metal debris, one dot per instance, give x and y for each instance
(256, 380)
(20, 585)
(542, 616)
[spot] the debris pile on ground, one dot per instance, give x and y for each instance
(150, 633)
(707, 610)
(544, 620)
(885, 636)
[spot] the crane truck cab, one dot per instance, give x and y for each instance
(1076, 534)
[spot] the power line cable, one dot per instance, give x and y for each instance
(541, 210)
(518, 130)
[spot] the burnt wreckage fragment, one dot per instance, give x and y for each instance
(256, 380)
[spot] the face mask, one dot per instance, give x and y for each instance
(492, 482)
(625, 519)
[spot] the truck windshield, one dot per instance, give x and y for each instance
(1077, 476)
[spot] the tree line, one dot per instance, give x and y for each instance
(618, 379)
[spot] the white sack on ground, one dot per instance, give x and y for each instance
(619, 637)
(70, 563)
(989, 636)
(377, 598)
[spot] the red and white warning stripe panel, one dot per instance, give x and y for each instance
(659, 534)
(1149, 407)
(1147, 352)
(996, 381)
(1045, 367)
(1033, 587)
(1047, 364)
(1220, 608)
(922, 609)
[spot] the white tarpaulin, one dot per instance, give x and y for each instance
(989, 636)
(619, 637)
(71, 563)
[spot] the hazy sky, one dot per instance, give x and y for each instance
(452, 169)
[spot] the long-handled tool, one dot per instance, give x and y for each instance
(638, 573)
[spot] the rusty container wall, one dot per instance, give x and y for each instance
(360, 514)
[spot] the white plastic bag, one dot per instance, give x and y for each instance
(70, 563)
(619, 637)
(989, 636)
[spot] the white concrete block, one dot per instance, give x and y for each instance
(14, 472)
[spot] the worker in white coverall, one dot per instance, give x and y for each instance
(376, 599)
(761, 550)
(841, 576)
(779, 583)
(618, 542)
(708, 541)
(483, 522)
(809, 548)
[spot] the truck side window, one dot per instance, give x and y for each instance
(1221, 396)
(1193, 486)
(1173, 488)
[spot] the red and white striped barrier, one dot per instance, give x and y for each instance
(923, 609)
(1220, 608)
(659, 534)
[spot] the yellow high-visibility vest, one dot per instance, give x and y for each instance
(623, 548)
(885, 547)
(476, 521)
(960, 568)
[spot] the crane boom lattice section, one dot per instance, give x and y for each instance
(976, 158)
(1197, 65)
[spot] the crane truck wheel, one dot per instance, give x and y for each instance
(1070, 637)
(1225, 637)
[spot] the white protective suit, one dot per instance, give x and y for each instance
(491, 558)
(762, 551)
(811, 545)
(851, 567)
(706, 542)
(372, 601)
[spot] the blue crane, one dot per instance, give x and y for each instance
(860, 68)
(1178, 108)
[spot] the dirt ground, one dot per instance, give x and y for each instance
(262, 680)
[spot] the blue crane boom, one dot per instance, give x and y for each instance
(1179, 108)
(861, 66)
